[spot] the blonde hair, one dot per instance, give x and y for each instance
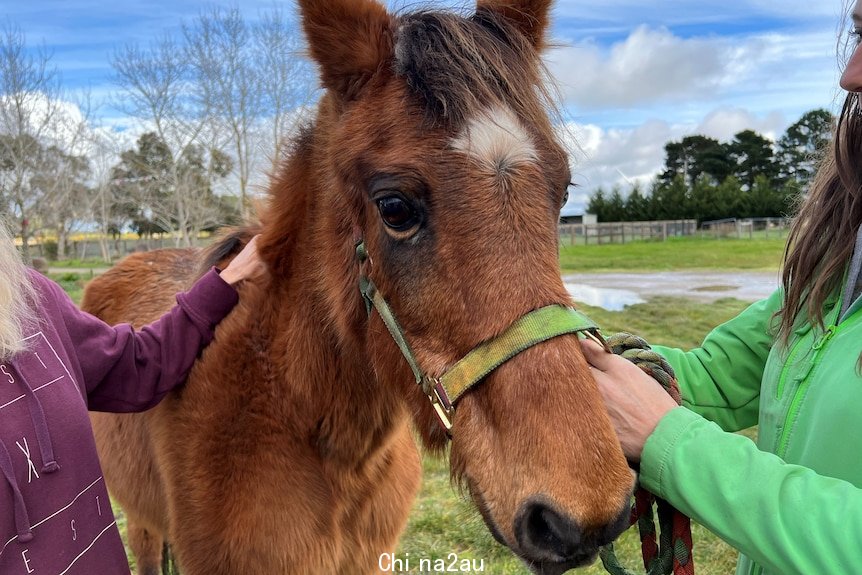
(17, 295)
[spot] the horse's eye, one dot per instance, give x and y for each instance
(565, 197)
(397, 213)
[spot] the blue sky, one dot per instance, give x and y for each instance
(633, 74)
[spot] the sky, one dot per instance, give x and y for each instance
(632, 74)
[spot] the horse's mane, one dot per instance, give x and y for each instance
(461, 66)
(229, 242)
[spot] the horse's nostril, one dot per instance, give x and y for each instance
(543, 534)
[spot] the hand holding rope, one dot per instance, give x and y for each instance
(672, 553)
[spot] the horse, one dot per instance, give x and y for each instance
(431, 170)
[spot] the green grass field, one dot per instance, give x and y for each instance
(684, 253)
(442, 522)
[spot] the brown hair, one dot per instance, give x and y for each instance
(823, 233)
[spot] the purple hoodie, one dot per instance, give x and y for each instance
(55, 515)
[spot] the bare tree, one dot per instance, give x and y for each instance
(39, 133)
(103, 204)
(287, 79)
(219, 49)
(229, 88)
(156, 82)
(62, 177)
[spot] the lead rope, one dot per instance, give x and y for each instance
(673, 552)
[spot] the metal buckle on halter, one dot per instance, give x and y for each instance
(440, 401)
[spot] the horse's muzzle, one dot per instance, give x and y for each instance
(552, 542)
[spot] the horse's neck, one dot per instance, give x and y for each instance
(317, 296)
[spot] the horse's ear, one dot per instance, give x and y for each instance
(530, 16)
(349, 39)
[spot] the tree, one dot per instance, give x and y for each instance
(106, 209)
(729, 199)
(753, 155)
(669, 201)
(764, 199)
(702, 200)
(37, 128)
(696, 155)
(164, 193)
(636, 206)
(598, 205)
(167, 170)
(219, 50)
(287, 81)
(615, 209)
(803, 144)
(61, 179)
(223, 85)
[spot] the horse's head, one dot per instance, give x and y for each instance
(434, 139)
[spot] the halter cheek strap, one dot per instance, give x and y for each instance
(445, 390)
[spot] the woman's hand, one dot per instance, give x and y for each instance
(635, 401)
(246, 265)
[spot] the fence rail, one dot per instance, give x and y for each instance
(91, 248)
(624, 232)
(745, 228)
(570, 234)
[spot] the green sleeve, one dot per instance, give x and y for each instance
(785, 517)
(721, 379)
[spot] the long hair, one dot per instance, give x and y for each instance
(17, 295)
(823, 234)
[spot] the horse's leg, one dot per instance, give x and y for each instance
(147, 548)
(131, 475)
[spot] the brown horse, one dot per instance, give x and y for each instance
(289, 449)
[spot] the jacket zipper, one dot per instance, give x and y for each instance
(787, 363)
(797, 396)
(796, 402)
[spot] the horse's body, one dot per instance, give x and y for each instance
(288, 450)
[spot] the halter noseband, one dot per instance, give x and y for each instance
(445, 390)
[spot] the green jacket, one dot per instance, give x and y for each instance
(792, 503)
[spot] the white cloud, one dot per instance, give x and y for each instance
(611, 156)
(652, 65)
(723, 123)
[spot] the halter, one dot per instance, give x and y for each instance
(445, 390)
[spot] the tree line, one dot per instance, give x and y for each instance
(704, 179)
(216, 99)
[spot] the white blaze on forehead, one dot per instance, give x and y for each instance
(497, 140)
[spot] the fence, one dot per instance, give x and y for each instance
(745, 228)
(623, 232)
(572, 234)
(84, 249)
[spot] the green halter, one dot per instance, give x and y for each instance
(444, 391)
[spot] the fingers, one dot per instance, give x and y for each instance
(596, 355)
(247, 264)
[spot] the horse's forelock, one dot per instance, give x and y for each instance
(460, 67)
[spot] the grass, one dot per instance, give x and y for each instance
(85, 264)
(685, 253)
(442, 522)
(72, 282)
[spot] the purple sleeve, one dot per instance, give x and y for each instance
(126, 370)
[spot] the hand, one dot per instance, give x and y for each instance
(635, 401)
(246, 265)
